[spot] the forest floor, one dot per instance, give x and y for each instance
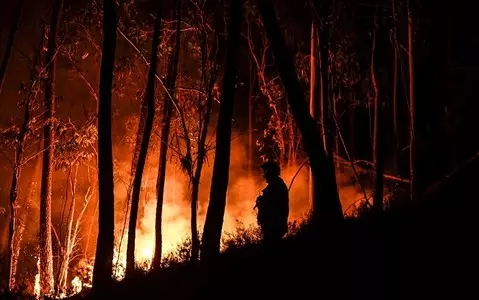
(417, 250)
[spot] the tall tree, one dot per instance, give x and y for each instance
(412, 104)
(395, 86)
(150, 100)
(377, 136)
(102, 271)
(165, 133)
(219, 185)
(313, 93)
(17, 167)
(11, 39)
(326, 204)
(327, 101)
(46, 256)
(250, 118)
(322, 9)
(208, 85)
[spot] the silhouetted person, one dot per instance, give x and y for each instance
(273, 206)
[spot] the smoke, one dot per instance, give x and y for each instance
(242, 191)
(241, 195)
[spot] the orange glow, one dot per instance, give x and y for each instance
(241, 196)
(242, 193)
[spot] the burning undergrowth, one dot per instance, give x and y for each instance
(239, 224)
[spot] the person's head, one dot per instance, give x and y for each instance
(271, 170)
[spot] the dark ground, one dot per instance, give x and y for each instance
(422, 250)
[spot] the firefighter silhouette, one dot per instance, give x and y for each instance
(273, 205)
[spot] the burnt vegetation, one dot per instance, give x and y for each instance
(132, 131)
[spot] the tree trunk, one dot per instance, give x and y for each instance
(17, 168)
(395, 84)
(377, 136)
(326, 108)
(11, 39)
(336, 129)
(352, 124)
(219, 184)
(195, 246)
(412, 113)
(69, 241)
(323, 100)
(250, 118)
(313, 97)
(20, 221)
(145, 141)
(328, 205)
(102, 271)
(13, 251)
(46, 257)
(134, 164)
(165, 133)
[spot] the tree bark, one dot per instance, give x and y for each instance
(17, 169)
(395, 84)
(145, 141)
(165, 133)
(352, 124)
(11, 39)
(69, 241)
(377, 137)
(102, 271)
(210, 247)
(196, 179)
(313, 97)
(46, 256)
(326, 110)
(412, 113)
(328, 206)
(250, 118)
(195, 246)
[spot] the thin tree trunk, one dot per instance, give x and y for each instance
(46, 256)
(20, 222)
(219, 184)
(334, 99)
(14, 251)
(197, 176)
(165, 133)
(326, 114)
(313, 91)
(323, 103)
(352, 125)
(216, 55)
(11, 39)
(134, 164)
(102, 271)
(145, 141)
(17, 168)
(195, 247)
(69, 242)
(59, 234)
(250, 118)
(412, 138)
(328, 205)
(327, 101)
(395, 84)
(377, 138)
